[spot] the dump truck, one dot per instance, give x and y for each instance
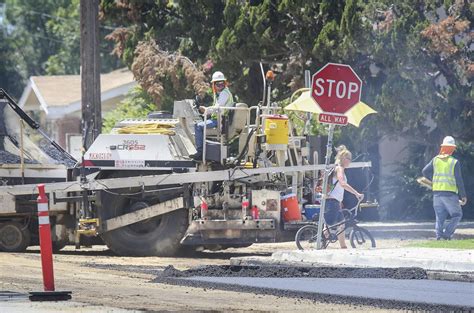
(138, 191)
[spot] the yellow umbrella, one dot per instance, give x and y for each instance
(305, 103)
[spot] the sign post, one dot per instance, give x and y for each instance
(335, 88)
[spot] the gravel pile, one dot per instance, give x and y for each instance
(44, 145)
(10, 158)
(55, 154)
(283, 271)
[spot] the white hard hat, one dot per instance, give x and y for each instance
(449, 142)
(218, 76)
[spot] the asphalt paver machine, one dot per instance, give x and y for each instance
(142, 194)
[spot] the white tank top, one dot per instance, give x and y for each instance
(337, 192)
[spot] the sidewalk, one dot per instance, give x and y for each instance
(413, 230)
(448, 260)
(429, 225)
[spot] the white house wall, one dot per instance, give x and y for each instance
(392, 151)
(111, 96)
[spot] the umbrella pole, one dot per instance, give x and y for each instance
(325, 184)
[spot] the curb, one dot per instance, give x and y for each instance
(268, 261)
(428, 259)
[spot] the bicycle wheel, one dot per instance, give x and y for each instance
(306, 238)
(361, 238)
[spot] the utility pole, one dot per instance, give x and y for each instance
(90, 72)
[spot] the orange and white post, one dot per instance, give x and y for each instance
(46, 246)
(46, 249)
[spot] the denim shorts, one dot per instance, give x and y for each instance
(333, 213)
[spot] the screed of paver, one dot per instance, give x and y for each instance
(415, 291)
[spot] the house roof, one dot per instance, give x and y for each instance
(58, 92)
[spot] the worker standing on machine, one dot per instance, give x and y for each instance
(449, 193)
(222, 98)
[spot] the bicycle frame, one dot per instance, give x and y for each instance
(348, 223)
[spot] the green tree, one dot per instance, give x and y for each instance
(414, 58)
(44, 39)
(12, 71)
(423, 87)
(30, 34)
(65, 27)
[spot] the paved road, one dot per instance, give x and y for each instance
(416, 291)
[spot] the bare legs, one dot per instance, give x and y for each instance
(342, 237)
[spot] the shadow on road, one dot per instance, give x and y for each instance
(215, 255)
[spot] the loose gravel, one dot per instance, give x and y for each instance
(145, 269)
(10, 158)
(44, 144)
(284, 271)
(55, 154)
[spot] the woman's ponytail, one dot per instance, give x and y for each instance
(342, 152)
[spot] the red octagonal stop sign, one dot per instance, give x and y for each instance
(336, 88)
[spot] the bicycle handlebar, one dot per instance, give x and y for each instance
(355, 209)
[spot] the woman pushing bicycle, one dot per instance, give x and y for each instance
(337, 220)
(337, 185)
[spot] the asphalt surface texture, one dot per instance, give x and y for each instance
(422, 292)
(387, 288)
(205, 282)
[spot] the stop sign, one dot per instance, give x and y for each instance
(336, 88)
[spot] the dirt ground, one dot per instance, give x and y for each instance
(97, 277)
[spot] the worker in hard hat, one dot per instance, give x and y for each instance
(222, 98)
(448, 188)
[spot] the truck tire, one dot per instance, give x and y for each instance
(158, 236)
(14, 237)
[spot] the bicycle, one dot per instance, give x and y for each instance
(306, 237)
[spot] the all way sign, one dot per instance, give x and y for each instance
(333, 119)
(335, 88)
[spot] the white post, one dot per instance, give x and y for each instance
(325, 184)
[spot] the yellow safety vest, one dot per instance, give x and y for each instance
(229, 103)
(443, 174)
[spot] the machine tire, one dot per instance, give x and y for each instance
(14, 237)
(162, 240)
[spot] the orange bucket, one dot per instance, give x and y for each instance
(290, 208)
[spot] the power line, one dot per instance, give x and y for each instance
(65, 19)
(72, 34)
(63, 41)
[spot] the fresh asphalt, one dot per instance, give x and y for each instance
(434, 292)
(389, 288)
(389, 291)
